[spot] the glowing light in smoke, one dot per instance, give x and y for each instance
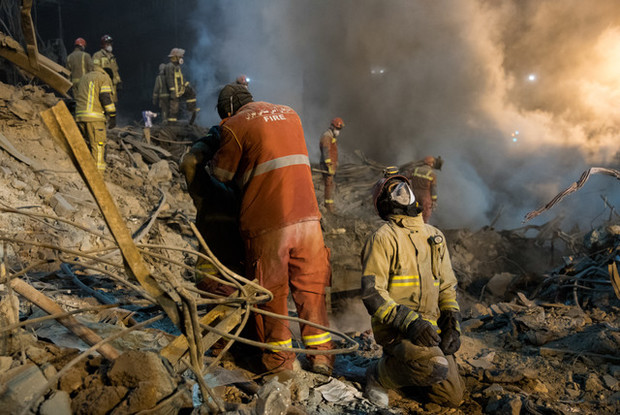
(377, 71)
(515, 136)
(531, 77)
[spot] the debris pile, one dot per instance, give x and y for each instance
(534, 341)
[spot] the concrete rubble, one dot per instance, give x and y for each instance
(541, 329)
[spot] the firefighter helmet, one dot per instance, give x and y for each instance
(176, 53)
(105, 40)
(379, 187)
(80, 42)
(242, 80)
(337, 123)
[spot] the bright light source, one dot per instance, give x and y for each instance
(377, 71)
(514, 139)
(531, 77)
(247, 79)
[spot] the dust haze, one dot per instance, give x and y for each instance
(518, 97)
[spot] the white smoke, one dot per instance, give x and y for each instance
(447, 77)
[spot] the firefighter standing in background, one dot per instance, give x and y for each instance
(409, 289)
(78, 63)
(178, 87)
(93, 102)
(424, 183)
(329, 160)
(161, 97)
(107, 61)
(263, 150)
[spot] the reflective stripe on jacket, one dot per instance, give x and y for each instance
(264, 151)
(407, 270)
(78, 63)
(175, 82)
(108, 60)
(329, 151)
(94, 97)
(424, 182)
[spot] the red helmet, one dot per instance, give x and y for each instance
(429, 160)
(377, 189)
(242, 80)
(105, 39)
(80, 42)
(337, 123)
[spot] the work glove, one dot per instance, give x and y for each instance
(422, 333)
(112, 122)
(449, 324)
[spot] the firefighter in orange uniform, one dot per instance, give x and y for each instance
(78, 63)
(263, 151)
(329, 160)
(93, 102)
(424, 183)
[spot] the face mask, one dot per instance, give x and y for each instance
(180, 61)
(402, 194)
(108, 48)
(336, 133)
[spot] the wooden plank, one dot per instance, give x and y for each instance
(70, 322)
(135, 265)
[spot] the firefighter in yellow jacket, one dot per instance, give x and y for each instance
(178, 87)
(78, 63)
(409, 289)
(93, 103)
(161, 97)
(106, 59)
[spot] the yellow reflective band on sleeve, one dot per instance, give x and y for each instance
(191, 100)
(404, 281)
(329, 200)
(328, 160)
(110, 108)
(448, 305)
(410, 317)
(317, 339)
(434, 197)
(105, 88)
(384, 310)
(284, 343)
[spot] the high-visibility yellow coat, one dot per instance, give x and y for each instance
(107, 60)
(78, 63)
(406, 262)
(94, 97)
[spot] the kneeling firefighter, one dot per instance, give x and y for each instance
(409, 289)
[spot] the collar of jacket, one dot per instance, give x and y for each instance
(405, 221)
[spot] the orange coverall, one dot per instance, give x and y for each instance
(424, 186)
(264, 151)
(329, 163)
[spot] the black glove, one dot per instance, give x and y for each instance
(450, 331)
(422, 333)
(112, 122)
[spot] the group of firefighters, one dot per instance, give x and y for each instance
(96, 82)
(251, 181)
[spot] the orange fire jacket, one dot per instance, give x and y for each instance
(264, 152)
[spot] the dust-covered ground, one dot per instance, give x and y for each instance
(541, 328)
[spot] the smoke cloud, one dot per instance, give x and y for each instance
(518, 97)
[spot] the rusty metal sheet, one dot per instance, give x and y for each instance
(59, 121)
